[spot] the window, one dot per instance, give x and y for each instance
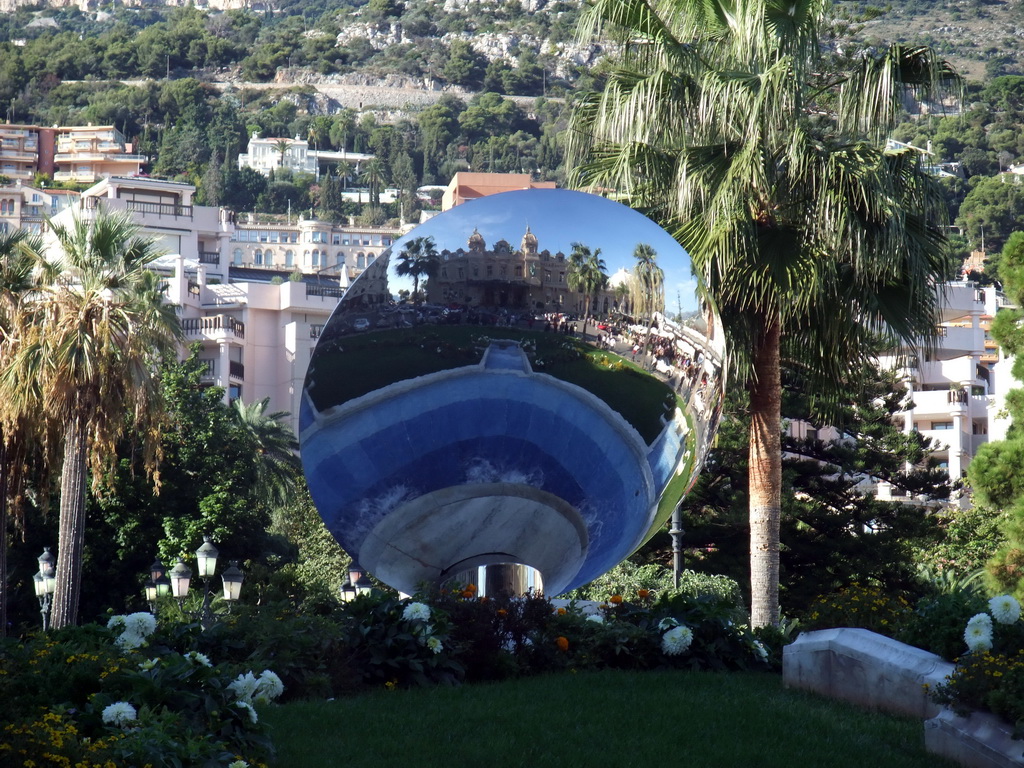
(462, 273)
(519, 271)
(361, 261)
(263, 237)
(316, 257)
(268, 257)
(236, 256)
(289, 259)
(344, 240)
(561, 277)
(386, 241)
(273, 237)
(257, 257)
(942, 425)
(336, 239)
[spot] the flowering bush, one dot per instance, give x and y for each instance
(858, 605)
(111, 701)
(990, 675)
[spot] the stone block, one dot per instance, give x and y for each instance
(980, 740)
(865, 668)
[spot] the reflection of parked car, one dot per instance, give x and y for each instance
(360, 324)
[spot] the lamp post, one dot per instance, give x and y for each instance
(180, 579)
(45, 583)
(356, 583)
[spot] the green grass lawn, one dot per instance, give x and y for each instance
(373, 360)
(597, 720)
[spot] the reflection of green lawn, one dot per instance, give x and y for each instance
(374, 360)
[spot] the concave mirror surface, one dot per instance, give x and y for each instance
(529, 377)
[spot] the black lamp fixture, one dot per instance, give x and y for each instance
(178, 581)
(356, 583)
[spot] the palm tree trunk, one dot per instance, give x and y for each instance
(4, 481)
(765, 476)
(71, 532)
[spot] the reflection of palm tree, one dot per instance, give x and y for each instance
(587, 274)
(650, 285)
(418, 259)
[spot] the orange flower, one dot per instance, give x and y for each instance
(467, 593)
(561, 611)
(471, 588)
(502, 612)
(562, 643)
(643, 593)
(615, 599)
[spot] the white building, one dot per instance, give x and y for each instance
(957, 388)
(27, 207)
(257, 327)
(268, 154)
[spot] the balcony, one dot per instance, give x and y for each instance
(327, 291)
(215, 327)
(160, 209)
(316, 330)
(209, 257)
(236, 369)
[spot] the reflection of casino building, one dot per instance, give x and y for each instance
(504, 277)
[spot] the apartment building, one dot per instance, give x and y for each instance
(25, 150)
(256, 327)
(26, 207)
(88, 153)
(466, 186)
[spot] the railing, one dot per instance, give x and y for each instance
(956, 396)
(193, 288)
(329, 291)
(236, 369)
(208, 325)
(316, 330)
(160, 209)
(209, 257)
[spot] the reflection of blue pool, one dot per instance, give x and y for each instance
(483, 427)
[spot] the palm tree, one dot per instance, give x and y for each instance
(418, 259)
(373, 177)
(725, 121)
(87, 360)
(281, 145)
(587, 274)
(19, 280)
(276, 464)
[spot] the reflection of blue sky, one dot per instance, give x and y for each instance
(560, 217)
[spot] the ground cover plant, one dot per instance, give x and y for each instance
(584, 719)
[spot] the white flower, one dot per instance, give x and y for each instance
(434, 644)
(238, 764)
(760, 650)
(978, 634)
(597, 618)
(141, 623)
(245, 705)
(115, 622)
(119, 713)
(148, 664)
(198, 658)
(244, 687)
(129, 641)
(269, 686)
(1004, 609)
(676, 640)
(667, 623)
(414, 611)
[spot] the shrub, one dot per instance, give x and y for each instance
(627, 578)
(867, 607)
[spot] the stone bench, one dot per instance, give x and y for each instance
(865, 668)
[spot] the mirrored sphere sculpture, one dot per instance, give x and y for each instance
(482, 396)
